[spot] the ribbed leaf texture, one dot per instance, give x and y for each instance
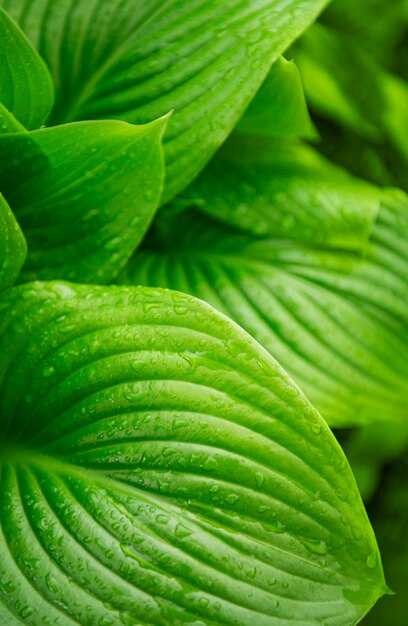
(84, 194)
(335, 319)
(203, 59)
(158, 467)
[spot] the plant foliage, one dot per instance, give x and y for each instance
(198, 278)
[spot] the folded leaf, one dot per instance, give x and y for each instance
(25, 84)
(279, 108)
(158, 467)
(337, 321)
(84, 195)
(286, 190)
(12, 246)
(204, 59)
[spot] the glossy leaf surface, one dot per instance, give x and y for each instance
(158, 467)
(335, 319)
(84, 195)
(286, 190)
(135, 62)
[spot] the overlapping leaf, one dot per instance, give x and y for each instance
(279, 108)
(25, 85)
(336, 320)
(12, 246)
(285, 190)
(204, 59)
(265, 181)
(363, 103)
(84, 195)
(158, 467)
(8, 123)
(341, 80)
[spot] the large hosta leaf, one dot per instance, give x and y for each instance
(84, 195)
(159, 467)
(336, 320)
(136, 61)
(12, 246)
(25, 84)
(286, 190)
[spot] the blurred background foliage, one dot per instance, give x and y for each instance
(354, 67)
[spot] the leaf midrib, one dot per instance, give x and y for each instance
(18, 454)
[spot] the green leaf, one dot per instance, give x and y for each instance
(159, 467)
(84, 195)
(8, 123)
(279, 108)
(341, 81)
(337, 321)
(286, 190)
(204, 59)
(12, 246)
(395, 114)
(25, 84)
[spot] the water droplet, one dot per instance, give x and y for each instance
(371, 560)
(259, 479)
(317, 547)
(232, 498)
(26, 612)
(51, 583)
(149, 195)
(48, 371)
(263, 509)
(315, 428)
(182, 531)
